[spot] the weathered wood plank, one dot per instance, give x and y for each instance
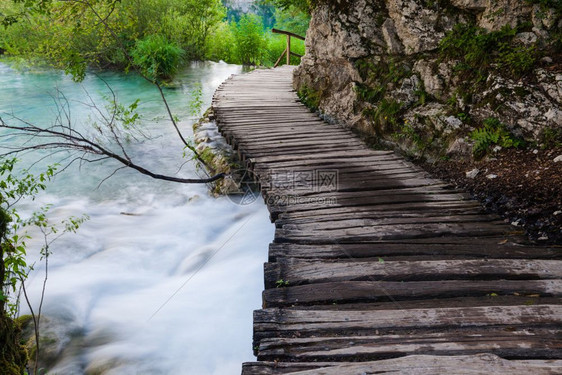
(277, 368)
(298, 272)
(479, 364)
(410, 206)
(274, 322)
(513, 343)
(353, 291)
(445, 214)
(437, 303)
(497, 247)
(361, 155)
(354, 221)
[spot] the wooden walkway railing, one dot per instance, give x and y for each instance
(375, 266)
(287, 52)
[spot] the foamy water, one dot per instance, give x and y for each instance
(163, 278)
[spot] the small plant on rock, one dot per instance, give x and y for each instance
(493, 133)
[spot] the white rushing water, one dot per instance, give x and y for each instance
(163, 278)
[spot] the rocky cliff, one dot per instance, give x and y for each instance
(438, 77)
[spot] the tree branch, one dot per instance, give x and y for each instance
(75, 141)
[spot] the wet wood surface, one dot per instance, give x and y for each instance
(377, 267)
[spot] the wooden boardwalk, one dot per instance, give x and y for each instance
(375, 266)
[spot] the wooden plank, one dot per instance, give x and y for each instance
(352, 220)
(335, 140)
(276, 322)
(437, 303)
(258, 136)
(277, 368)
(353, 291)
(345, 224)
(375, 162)
(409, 206)
(495, 248)
(479, 364)
(362, 155)
(513, 343)
(298, 272)
(396, 231)
(325, 184)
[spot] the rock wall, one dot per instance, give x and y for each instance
(424, 74)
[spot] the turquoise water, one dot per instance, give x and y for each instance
(163, 278)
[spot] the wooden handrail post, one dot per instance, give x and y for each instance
(287, 50)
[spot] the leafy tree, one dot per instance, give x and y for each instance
(190, 22)
(75, 34)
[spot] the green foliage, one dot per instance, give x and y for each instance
(196, 101)
(493, 133)
(126, 116)
(247, 42)
(75, 35)
(551, 137)
(250, 39)
(157, 57)
(378, 76)
(386, 115)
(309, 97)
(277, 43)
(281, 283)
(188, 24)
(305, 6)
(370, 94)
(292, 19)
(546, 4)
(221, 44)
(480, 51)
(517, 60)
(15, 186)
(407, 131)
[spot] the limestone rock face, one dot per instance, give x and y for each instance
(416, 25)
(365, 57)
(504, 12)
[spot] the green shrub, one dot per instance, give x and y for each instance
(251, 42)
(156, 57)
(221, 44)
(478, 51)
(493, 133)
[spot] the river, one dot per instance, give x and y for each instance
(163, 278)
